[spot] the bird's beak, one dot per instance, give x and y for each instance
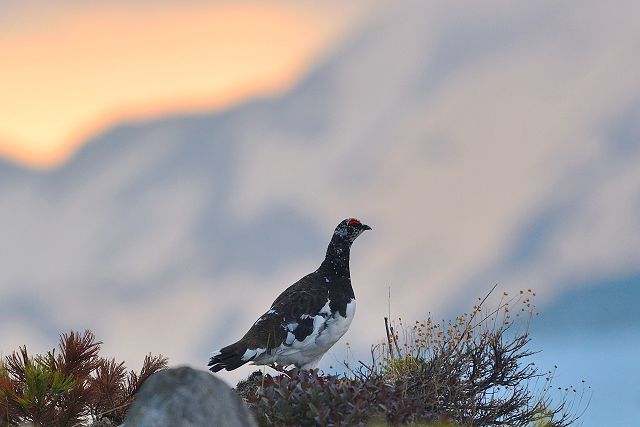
(365, 227)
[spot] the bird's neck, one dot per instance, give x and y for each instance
(336, 262)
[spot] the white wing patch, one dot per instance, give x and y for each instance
(328, 328)
(291, 327)
(252, 353)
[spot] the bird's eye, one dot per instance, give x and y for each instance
(353, 221)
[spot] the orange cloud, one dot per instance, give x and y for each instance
(66, 77)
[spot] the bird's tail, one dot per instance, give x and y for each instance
(230, 357)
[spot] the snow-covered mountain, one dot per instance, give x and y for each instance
(483, 143)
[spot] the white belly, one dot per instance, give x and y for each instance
(306, 354)
(335, 328)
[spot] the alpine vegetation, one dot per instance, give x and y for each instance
(69, 388)
(474, 370)
(307, 319)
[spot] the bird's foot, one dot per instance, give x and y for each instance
(274, 366)
(283, 369)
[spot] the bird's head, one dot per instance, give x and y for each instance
(349, 229)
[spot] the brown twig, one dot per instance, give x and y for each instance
(395, 341)
(386, 327)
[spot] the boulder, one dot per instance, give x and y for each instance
(102, 423)
(187, 397)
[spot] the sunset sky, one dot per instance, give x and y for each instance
(71, 69)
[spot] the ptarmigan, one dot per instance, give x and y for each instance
(307, 318)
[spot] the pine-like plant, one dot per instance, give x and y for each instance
(70, 388)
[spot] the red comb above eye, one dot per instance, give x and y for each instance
(353, 221)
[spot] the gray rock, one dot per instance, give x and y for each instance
(102, 423)
(186, 397)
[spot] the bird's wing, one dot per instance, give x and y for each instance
(291, 316)
(299, 312)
